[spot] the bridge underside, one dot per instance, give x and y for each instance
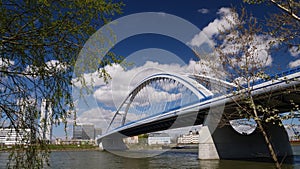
(166, 124)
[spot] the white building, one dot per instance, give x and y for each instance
(293, 131)
(46, 120)
(9, 136)
(159, 138)
(191, 138)
(131, 140)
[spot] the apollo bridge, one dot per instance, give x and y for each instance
(168, 101)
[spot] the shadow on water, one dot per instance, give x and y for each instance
(185, 159)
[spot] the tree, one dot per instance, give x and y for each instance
(285, 24)
(291, 7)
(243, 53)
(39, 43)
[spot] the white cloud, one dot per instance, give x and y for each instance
(294, 63)
(123, 81)
(155, 96)
(294, 51)
(56, 65)
(5, 63)
(52, 66)
(258, 50)
(214, 27)
(113, 93)
(259, 46)
(98, 116)
(203, 10)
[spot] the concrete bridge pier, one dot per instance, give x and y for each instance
(113, 143)
(226, 143)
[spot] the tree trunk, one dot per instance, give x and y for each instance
(265, 135)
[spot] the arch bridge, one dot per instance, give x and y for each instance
(168, 101)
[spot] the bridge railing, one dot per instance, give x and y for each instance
(270, 77)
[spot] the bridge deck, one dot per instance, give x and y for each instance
(279, 92)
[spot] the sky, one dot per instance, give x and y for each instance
(160, 36)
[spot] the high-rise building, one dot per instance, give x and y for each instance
(88, 132)
(85, 131)
(77, 132)
(46, 120)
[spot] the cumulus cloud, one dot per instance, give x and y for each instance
(294, 64)
(100, 117)
(213, 28)
(259, 46)
(155, 96)
(294, 51)
(6, 63)
(123, 81)
(203, 10)
(258, 49)
(261, 54)
(52, 66)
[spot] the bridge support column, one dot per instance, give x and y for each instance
(207, 149)
(113, 143)
(229, 144)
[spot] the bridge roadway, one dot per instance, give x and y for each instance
(278, 92)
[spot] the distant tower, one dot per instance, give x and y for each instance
(46, 120)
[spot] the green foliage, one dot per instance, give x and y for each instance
(39, 44)
(143, 136)
(29, 156)
(71, 147)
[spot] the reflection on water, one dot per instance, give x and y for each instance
(173, 159)
(211, 164)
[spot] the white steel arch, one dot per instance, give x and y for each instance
(187, 81)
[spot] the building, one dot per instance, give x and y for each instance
(9, 136)
(191, 138)
(85, 132)
(98, 132)
(77, 132)
(131, 140)
(88, 132)
(293, 131)
(46, 120)
(159, 138)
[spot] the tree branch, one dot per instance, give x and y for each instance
(289, 11)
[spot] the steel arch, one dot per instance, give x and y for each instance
(186, 80)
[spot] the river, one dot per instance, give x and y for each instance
(173, 159)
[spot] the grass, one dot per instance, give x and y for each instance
(72, 147)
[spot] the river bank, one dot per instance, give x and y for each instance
(53, 147)
(88, 147)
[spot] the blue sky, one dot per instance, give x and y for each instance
(151, 53)
(199, 13)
